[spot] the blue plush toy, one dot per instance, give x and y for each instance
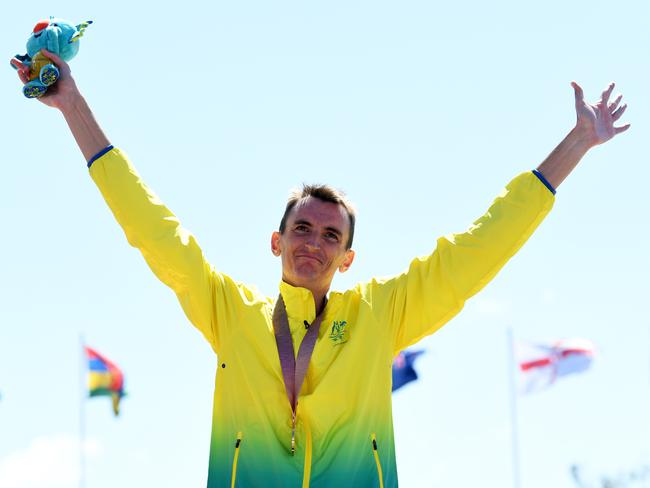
(57, 36)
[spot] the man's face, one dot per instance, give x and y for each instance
(312, 246)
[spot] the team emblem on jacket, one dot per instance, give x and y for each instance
(339, 333)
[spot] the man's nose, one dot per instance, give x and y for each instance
(313, 244)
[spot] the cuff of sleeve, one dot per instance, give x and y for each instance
(99, 155)
(544, 180)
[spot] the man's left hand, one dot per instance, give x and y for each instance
(596, 122)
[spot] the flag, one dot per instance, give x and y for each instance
(403, 371)
(542, 364)
(104, 378)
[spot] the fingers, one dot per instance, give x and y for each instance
(612, 106)
(603, 113)
(22, 69)
(57, 60)
(618, 130)
(604, 98)
(618, 112)
(613, 109)
(23, 77)
(577, 89)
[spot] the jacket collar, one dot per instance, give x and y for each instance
(300, 303)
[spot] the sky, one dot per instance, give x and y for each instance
(422, 112)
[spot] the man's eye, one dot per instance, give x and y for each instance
(301, 228)
(332, 236)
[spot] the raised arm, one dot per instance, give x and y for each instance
(170, 250)
(594, 126)
(435, 288)
(66, 97)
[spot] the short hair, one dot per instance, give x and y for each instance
(326, 193)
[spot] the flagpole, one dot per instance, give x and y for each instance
(514, 431)
(82, 413)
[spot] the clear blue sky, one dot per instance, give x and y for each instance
(421, 111)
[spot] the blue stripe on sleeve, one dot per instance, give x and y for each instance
(544, 180)
(99, 155)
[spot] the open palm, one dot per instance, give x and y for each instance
(597, 121)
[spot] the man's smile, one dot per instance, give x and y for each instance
(310, 257)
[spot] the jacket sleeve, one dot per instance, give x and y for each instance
(170, 250)
(434, 288)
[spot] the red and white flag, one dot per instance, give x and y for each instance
(541, 364)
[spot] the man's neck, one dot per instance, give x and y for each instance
(320, 300)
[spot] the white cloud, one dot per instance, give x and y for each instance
(49, 462)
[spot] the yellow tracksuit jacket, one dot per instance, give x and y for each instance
(344, 420)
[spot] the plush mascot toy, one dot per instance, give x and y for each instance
(57, 36)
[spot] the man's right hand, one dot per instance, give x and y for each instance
(63, 93)
(65, 96)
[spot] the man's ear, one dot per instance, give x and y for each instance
(275, 243)
(347, 261)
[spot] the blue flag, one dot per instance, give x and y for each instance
(403, 371)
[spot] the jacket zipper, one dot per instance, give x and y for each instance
(234, 460)
(307, 468)
(373, 438)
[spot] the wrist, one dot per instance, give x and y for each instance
(71, 102)
(582, 138)
(85, 129)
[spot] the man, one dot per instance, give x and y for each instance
(303, 388)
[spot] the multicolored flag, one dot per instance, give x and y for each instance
(403, 371)
(542, 364)
(104, 378)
